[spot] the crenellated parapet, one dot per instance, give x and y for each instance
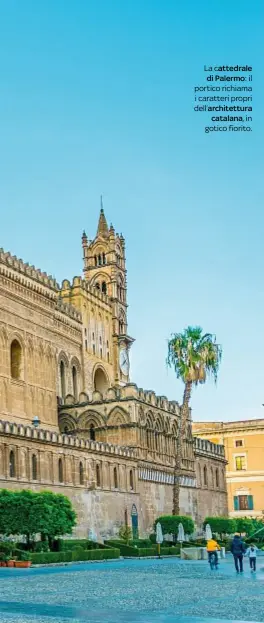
(69, 288)
(206, 447)
(19, 430)
(131, 391)
(68, 310)
(10, 263)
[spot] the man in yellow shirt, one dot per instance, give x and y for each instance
(212, 547)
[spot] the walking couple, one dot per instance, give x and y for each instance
(238, 549)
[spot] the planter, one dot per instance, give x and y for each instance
(23, 564)
(2, 563)
(10, 563)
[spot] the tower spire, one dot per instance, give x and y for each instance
(102, 229)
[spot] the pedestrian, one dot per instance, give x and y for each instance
(252, 554)
(212, 547)
(238, 549)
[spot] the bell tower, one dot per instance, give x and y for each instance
(105, 269)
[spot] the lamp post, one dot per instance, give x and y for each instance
(35, 421)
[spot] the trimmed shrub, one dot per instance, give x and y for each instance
(170, 524)
(221, 525)
(70, 544)
(79, 554)
(125, 550)
(141, 543)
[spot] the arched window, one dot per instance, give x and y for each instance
(212, 477)
(66, 429)
(95, 260)
(16, 360)
(104, 290)
(34, 467)
(12, 464)
(199, 476)
(60, 469)
(131, 480)
(104, 259)
(92, 433)
(98, 476)
(217, 478)
(205, 476)
(115, 478)
(99, 259)
(101, 353)
(108, 357)
(62, 378)
(74, 383)
(81, 471)
(97, 285)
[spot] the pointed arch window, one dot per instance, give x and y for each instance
(115, 478)
(81, 473)
(92, 432)
(95, 260)
(99, 259)
(131, 480)
(97, 285)
(34, 466)
(98, 476)
(62, 379)
(16, 359)
(104, 258)
(12, 464)
(205, 479)
(217, 478)
(60, 470)
(74, 383)
(104, 289)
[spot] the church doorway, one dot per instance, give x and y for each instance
(100, 381)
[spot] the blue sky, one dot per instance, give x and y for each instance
(97, 97)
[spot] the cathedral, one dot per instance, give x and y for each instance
(71, 420)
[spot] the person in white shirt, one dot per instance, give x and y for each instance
(252, 554)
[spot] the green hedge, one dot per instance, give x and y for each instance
(140, 552)
(79, 554)
(69, 544)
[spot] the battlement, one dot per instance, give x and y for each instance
(46, 436)
(69, 310)
(11, 261)
(119, 394)
(204, 446)
(78, 282)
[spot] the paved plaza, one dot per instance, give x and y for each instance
(132, 591)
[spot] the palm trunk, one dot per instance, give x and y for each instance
(184, 412)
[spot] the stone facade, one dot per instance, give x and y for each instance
(71, 420)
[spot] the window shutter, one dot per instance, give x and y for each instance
(250, 503)
(236, 506)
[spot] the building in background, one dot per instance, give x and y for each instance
(244, 450)
(70, 418)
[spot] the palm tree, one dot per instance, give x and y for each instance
(194, 357)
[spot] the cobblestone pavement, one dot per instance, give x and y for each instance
(132, 591)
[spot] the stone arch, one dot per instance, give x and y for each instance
(67, 423)
(149, 420)
(63, 364)
(159, 423)
(16, 358)
(118, 416)
(89, 418)
(100, 379)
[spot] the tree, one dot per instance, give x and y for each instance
(27, 513)
(59, 517)
(170, 523)
(221, 525)
(245, 525)
(194, 357)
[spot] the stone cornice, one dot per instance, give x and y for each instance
(19, 431)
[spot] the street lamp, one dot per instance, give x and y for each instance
(35, 421)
